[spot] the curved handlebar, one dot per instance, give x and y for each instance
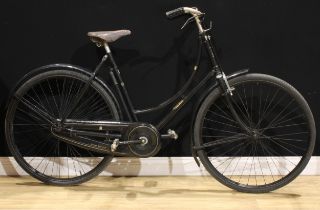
(181, 11)
(175, 13)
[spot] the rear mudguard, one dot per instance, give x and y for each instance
(69, 67)
(199, 102)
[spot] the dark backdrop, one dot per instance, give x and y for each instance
(281, 38)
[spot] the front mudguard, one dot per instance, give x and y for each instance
(69, 67)
(199, 102)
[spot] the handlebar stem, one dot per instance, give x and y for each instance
(194, 12)
(198, 21)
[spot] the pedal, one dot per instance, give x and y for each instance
(114, 145)
(172, 134)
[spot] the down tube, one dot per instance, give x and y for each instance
(183, 101)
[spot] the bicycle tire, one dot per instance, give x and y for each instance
(54, 91)
(270, 143)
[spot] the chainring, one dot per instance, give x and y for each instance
(151, 137)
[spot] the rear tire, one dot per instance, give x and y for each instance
(275, 153)
(29, 136)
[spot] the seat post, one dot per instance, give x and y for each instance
(106, 47)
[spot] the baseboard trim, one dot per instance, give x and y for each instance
(154, 166)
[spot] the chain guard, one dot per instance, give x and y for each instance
(134, 139)
(147, 132)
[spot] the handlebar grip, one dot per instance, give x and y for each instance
(175, 13)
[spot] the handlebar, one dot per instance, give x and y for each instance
(181, 11)
(175, 13)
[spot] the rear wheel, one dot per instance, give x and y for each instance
(28, 128)
(279, 145)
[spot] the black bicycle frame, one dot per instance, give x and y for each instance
(76, 128)
(179, 97)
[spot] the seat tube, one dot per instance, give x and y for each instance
(127, 103)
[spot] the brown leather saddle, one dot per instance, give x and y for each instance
(101, 37)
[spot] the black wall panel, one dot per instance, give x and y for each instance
(281, 38)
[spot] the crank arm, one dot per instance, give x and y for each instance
(130, 142)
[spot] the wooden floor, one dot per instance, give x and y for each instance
(143, 193)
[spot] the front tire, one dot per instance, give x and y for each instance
(279, 147)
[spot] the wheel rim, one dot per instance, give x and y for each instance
(278, 145)
(41, 153)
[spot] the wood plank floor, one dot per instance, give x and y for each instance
(143, 193)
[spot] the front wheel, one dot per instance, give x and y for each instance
(278, 146)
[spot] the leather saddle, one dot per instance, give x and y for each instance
(101, 37)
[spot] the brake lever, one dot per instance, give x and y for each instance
(208, 29)
(187, 22)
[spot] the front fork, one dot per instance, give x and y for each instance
(227, 93)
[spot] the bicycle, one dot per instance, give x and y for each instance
(252, 132)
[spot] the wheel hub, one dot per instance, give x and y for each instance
(144, 140)
(255, 135)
